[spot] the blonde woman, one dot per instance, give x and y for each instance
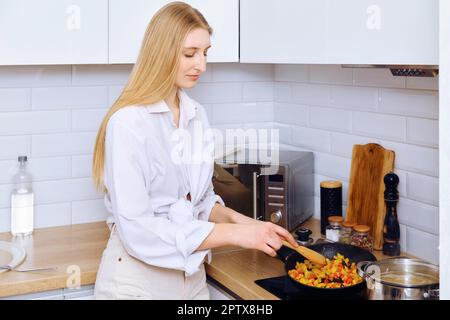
(164, 215)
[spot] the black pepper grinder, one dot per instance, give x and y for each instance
(391, 231)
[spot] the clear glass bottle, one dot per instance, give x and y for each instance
(22, 201)
(333, 228)
(346, 232)
(361, 237)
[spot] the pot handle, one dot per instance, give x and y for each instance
(432, 294)
(361, 266)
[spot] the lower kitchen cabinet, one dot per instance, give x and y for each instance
(87, 293)
(217, 293)
(82, 293)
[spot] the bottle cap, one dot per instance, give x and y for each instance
(335, 219)
(361, 228)
(348, 224)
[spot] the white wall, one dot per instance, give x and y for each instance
(52, 113)
(444, 154)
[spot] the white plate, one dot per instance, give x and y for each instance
(16, 252)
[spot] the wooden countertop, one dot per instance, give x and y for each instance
(80, 246)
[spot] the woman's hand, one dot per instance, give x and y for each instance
(264, 236)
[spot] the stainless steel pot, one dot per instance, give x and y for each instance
(400, 279)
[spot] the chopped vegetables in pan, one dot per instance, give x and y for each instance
(337, 273)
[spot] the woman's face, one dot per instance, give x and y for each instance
(193, 58)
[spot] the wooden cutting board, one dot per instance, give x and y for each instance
(370, 163)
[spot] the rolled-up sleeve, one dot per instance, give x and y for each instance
(207, 203)
(152, 239)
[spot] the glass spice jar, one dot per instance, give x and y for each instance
(346, 232)
(333, 228)
(361, 237)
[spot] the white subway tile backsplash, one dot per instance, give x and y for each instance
(377, 78)
(285, 133)
(403, 238)
(5, 220)
(94, 75)
(113, 94)
(290, 113)
(13, 146)
(39, 168)
(88, 211)
(82, 166)
(258, 91)
(63, 144)
(52, 215)
(423, 245)
(243, 112)
(87, 119)
(404, 102)
(356, 98)
(332, 166)
(5, 195)
(379, 126)
(282, 92)
(330, 119)
(423, 188)
(224, 72)
(47, 192)
(423, 83)
(35, 76)
(423, 131)
(224, 92)
(207, 76)
(209, 111)
(15, 99)
(418, 215)
(342, 144)
(403, 184)
(52, 113)
(414, 158)
(311, 94)
(330, 74)
(311, 138)
(69, 97)
(291, 72)
(34, 122)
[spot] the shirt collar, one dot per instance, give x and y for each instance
(187, 105)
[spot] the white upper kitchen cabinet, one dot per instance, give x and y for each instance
(128, 21)
(53, 32)
(339, 32)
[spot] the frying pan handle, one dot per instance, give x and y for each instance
(284, 252)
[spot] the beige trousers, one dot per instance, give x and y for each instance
(121, 276)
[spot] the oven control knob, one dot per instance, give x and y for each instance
(276, 216)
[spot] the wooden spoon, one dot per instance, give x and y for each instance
(309, 254)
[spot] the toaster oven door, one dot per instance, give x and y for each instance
(239, 185)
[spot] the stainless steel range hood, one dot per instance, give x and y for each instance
(401, 70)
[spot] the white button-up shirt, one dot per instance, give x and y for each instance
(150, 167)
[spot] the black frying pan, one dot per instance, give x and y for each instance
(329, 250)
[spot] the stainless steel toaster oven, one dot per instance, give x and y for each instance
(267, 187)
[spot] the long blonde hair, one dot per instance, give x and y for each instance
(152, 78)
